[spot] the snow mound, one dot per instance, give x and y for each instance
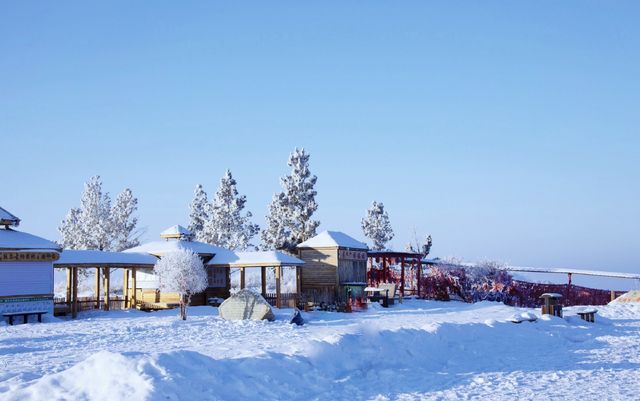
(103, 376)
(631, 297)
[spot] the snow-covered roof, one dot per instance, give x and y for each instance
(330, 239)
(261, 258)
(176, 231)
(17, 240)
(8, 219)
(98, 258)
(159, 248)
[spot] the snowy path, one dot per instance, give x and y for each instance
(419, 350)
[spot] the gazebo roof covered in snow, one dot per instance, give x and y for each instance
(255, 259)
(17, 241)
(176, 232)
(173, 243)
(8, 219)
(333, 239)
(93, 258)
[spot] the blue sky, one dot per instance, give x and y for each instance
(507, 130)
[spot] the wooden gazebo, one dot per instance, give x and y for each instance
(263, 260)
(382, 272)
(103, 262)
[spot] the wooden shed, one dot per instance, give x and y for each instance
(335, 264)
(26, 270)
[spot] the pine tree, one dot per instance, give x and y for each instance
(96, 225)
(227, 226)
(94, 217)
(377, 227)
(290, 213)
(199, 213)
(275, 235)
(70, 235)
(123, 222)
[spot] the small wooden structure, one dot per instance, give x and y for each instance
(263, 260)
(380, 271)
(552, 305)
(335, 265)
(26, 270)
(104, 263)
(588, 314)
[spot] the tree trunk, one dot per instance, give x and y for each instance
(183, 307)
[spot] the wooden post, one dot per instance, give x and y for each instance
(613, 295)
(97, 288)
(69, 284)
(385, 275)
(401, 278)
(107, 287)
(263, 280)
(298, 280)
(419, 275)
(133, 288)
(242, 278)
(125, 287)
(74, 290)
(569, 290)
(278, 295)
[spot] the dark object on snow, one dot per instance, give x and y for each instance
(552, 305)
(297, 318)
(588, 315)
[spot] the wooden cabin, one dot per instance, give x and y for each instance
(26, 269)
(335, 264)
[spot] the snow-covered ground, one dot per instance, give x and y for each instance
(417, 350)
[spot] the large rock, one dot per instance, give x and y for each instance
(246, 304)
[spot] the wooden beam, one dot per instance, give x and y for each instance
(242, 278)
(278, 294)
(125, 287)
(97, 288)
(401, 278)
(69, 284)
(263, 280)
(298, 280)
(74, 290)
(107, 287)
(134, 295)
(419, 276)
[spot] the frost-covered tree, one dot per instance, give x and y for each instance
(181, 272)
(276, 234)
(423, 248)
(376, 226)
(123, 221)
(199, 213)
(89, 226)
(227, 225)
(290, 213)
(96, 225)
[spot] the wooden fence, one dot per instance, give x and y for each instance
(91, 303)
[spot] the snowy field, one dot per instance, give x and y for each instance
(418, 350)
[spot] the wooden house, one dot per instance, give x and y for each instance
(335, 265)
(26, 269)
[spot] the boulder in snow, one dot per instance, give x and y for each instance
(246, 305)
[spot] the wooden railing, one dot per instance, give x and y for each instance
(90, 303)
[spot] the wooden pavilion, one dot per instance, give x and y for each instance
(262, 260)
(104, 264)
(140, 285)
(380, 271)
